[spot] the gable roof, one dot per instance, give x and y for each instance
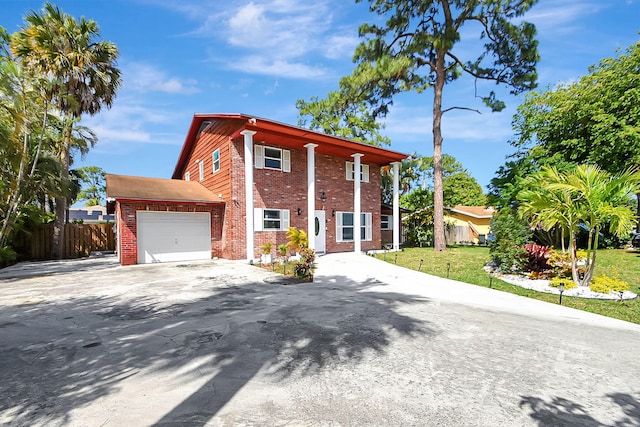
(474, 211)
(171, 190)
(282, 134)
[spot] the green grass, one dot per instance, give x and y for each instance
(465, 264)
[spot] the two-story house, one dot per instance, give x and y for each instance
(241, 181)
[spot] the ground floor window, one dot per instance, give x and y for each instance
(345, 226)
(271, 219)
(386, 222)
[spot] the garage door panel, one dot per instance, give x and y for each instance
(173, 236)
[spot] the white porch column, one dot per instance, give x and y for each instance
(311, 194)
(357, 221)
(396, 206)
(248, 191)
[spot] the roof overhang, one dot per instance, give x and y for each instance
(281, 134)
(142, 189)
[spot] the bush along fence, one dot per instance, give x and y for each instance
(79, 241)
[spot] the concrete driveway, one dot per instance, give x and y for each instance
(90, 343)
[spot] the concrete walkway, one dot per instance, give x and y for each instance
(223, 343)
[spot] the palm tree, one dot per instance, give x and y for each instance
(587, 195)
(82, 73)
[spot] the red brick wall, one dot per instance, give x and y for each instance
(127, 225)
(288, 190)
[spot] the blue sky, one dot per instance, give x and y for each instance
(181, 57)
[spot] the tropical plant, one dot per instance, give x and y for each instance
(297, 239)
(92, 179)
(586, 196)
(537, 258)
(304, 268)
(82, 74)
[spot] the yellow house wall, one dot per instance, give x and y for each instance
(481, 224)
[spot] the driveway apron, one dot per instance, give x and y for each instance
(216, 343)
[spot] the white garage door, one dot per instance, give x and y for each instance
(173, 236)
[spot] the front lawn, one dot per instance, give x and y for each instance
(465, 264)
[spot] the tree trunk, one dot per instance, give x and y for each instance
(439, 242)
(57, 247)
(638, 213)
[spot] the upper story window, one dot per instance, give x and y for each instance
(187, 176)
(201, 169)
(215, 157)
(364, 172)
(272, 158)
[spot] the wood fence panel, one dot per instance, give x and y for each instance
(79, 241)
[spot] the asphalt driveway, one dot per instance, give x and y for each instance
(90, 343)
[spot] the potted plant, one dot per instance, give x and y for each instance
(265, 258)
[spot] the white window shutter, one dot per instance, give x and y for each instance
(339, 226)
(368, 226)
(258, 152)
(258, 219)
(187, 176)
(391, 224)
(349, 168)
(365, 173)
(284, 219)
(286, 161)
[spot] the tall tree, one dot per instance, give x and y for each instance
(83, 76)
(418, 48)
(595, 120)
(93, 183)
(22, 138)
(334, 115)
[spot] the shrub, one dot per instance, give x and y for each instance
(510, 234)
(304, 268)
(560, 263)
(605, 284)
(283, 249)
(297, 238)
(557, 281)
(537, 258)
(266, 248)
(7, 256)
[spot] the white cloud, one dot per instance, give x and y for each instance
(256, 64)
(272, 37)
(129, 122)
(556, 16)
(147, 78)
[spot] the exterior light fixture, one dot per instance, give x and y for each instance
(323, 197)
(299, 211)
(333, 212)
(561, 291)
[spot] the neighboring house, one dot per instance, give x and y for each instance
(241, 181)
(90, 214)
(468, 224)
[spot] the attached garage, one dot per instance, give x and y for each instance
(164, 220)
(173, 236)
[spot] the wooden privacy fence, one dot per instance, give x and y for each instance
(79, 241)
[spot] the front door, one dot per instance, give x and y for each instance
(320, 232)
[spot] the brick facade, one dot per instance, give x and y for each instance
(275, 189)
(126, 217)
(272, 189)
